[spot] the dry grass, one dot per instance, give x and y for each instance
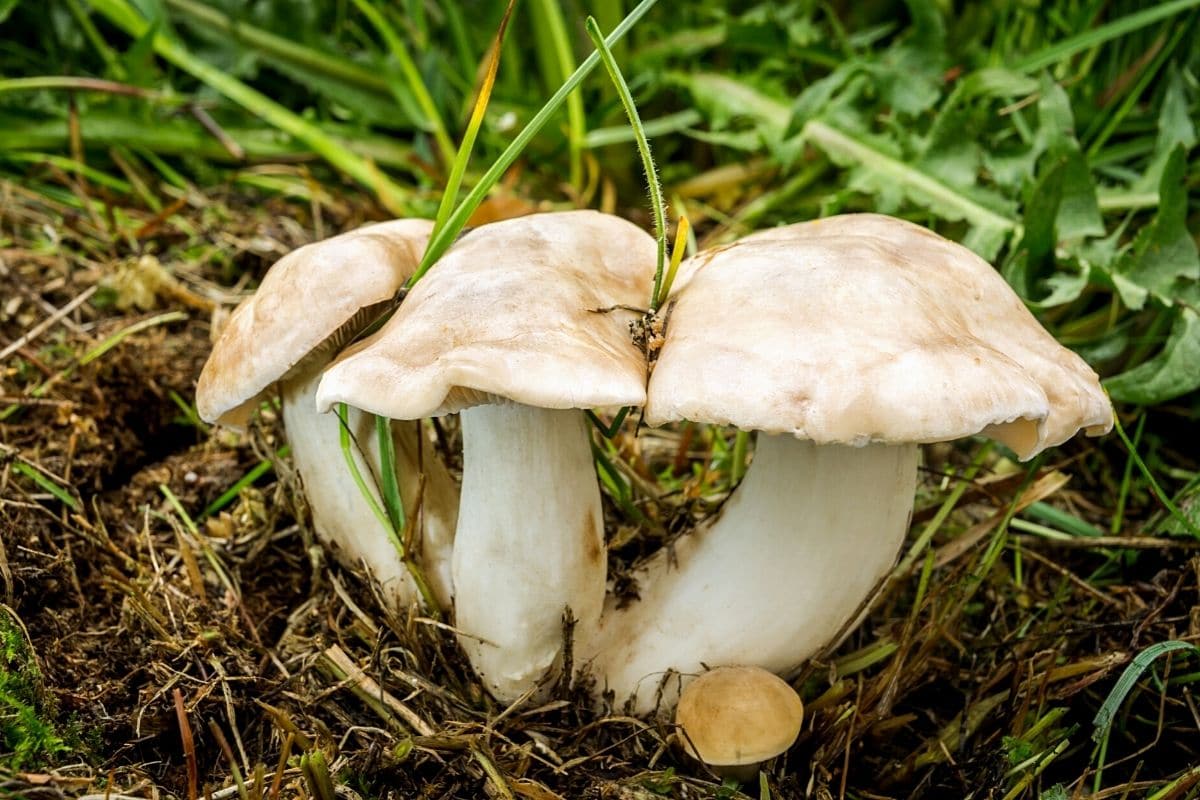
(225, 657)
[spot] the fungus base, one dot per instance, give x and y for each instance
(798, 547)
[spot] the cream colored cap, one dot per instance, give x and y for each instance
(738, 716)
(865, 328)
(307, 297)
(527, 309)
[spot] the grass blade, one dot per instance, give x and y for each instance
(256, 472)
(550, 15)
(461, 159)
(412, 76)
(1129, 678)
(1154, 486)
(394, 532)
(643, 145)
(368, 496)
(1098, 36)
(123, 15)
(46, 484)
(441, 240)
(123, 334)
(388, 475)
(278, 47)
(682, 228)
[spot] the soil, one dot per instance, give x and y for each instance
(184, 655)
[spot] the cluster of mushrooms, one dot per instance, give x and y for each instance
(844, 342)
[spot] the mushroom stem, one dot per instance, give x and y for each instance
(529, 545)
(810, 531)
(342, 518)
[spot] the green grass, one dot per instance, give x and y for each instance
(27, 733)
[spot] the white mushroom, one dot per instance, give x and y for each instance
(519, 326)
(309, 304)
(845, 342)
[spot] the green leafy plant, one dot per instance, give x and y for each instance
(27, 733)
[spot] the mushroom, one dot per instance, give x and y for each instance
(309, 304)
(735, 718)
(519, 326)
(844, 342)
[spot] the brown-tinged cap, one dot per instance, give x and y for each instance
(533, 310)
(865, 328)
(309, 300)
(738, 716)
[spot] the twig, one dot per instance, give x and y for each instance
(44, 325)
(189, 744)
(369, 688)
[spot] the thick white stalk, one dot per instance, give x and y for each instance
(796, 550)
(343, 520)
(530, 543)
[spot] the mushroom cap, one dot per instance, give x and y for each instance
(309, 300)
(737, 716)
(865, 328)
(527, 310)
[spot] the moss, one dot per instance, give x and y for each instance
(27, 734)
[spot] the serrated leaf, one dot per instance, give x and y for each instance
(1102, 253)
(986, 240)
(952, 152)
(878, 167)
(909, 74)
(1064, 287)
(906, 82)
(1173, 372)
(1034, 256)
(1164, 258)
(727, 99)
(1011, 168)
(1078, 213)
(1175, 127)
(819, 94)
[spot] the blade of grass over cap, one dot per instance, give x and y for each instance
(463, 156)
(412, 76)
(682, 228)
(655, 188)
(635, 122)
(124, 16)
(389, 468)
(441, 240)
